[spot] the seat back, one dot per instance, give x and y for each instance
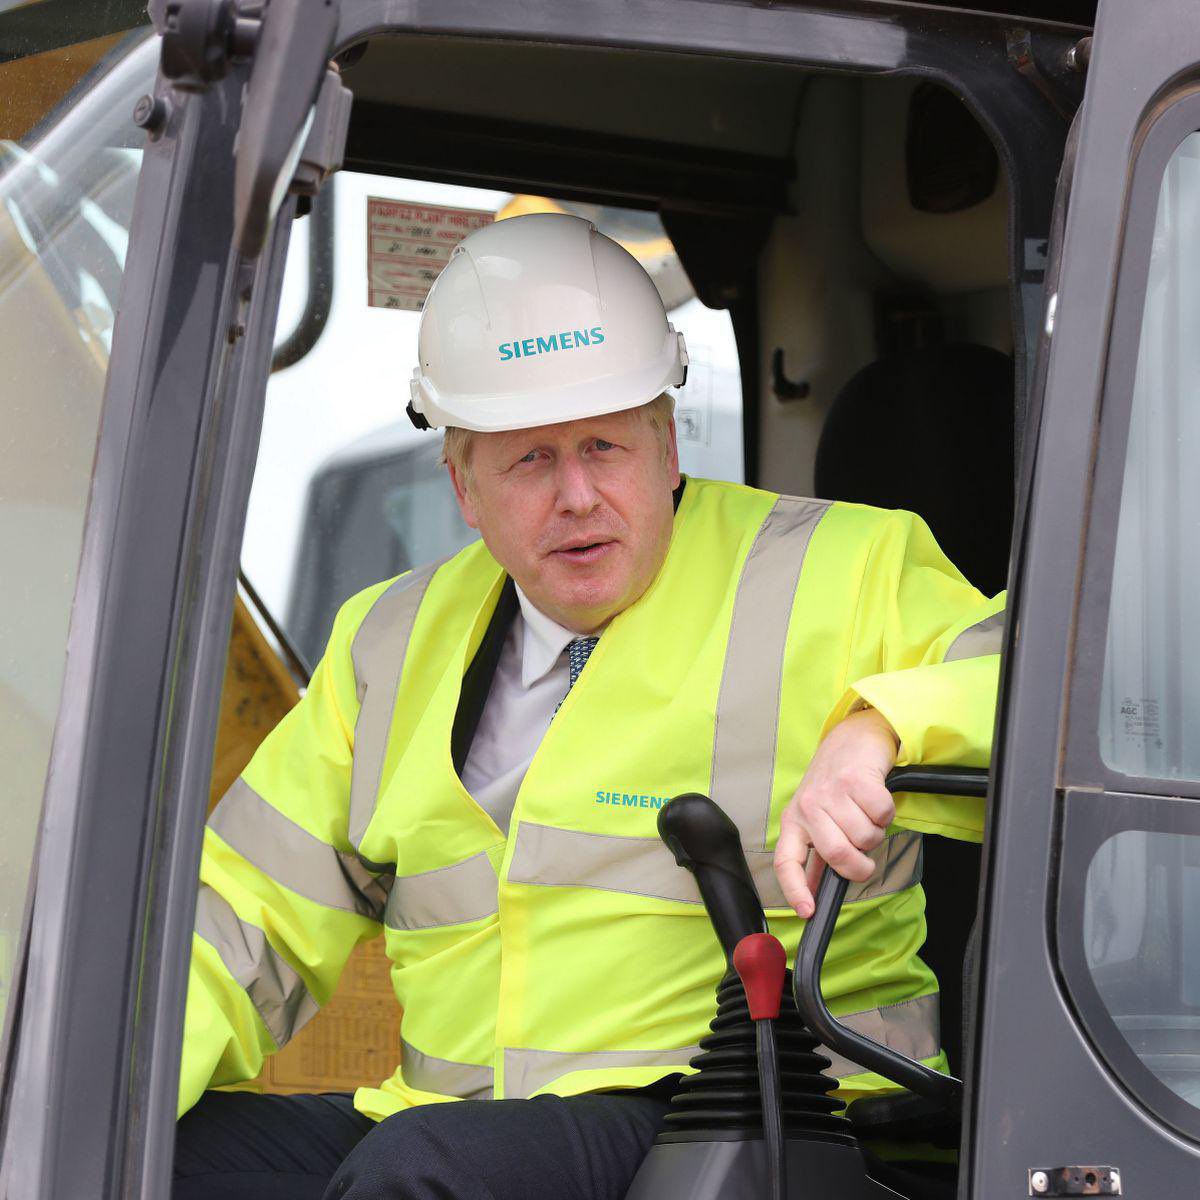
(931, 431)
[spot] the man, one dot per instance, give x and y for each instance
(479, 762)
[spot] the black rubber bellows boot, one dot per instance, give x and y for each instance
(711, 1145)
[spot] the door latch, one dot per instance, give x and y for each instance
(1074, 1181)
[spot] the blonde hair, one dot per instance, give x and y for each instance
(456, 442)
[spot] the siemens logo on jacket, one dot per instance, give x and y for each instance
(567, 340)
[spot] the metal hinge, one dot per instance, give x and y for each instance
(1074, 1181)
(201, 38)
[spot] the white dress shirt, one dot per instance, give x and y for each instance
(531, 679)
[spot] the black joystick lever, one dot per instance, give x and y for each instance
(707, 843)
(756, 1112)
(944, 1090)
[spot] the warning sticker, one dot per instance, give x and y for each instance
(409, 244)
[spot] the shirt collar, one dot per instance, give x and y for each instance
(544, 641)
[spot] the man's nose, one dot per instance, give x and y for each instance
(576, 492)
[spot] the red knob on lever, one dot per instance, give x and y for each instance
(760, 961)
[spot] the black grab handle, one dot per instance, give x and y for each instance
(944, 1090)
(706, 841)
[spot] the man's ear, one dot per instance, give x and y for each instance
(462, 494)
(672, 454)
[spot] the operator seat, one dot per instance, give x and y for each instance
(931, 431)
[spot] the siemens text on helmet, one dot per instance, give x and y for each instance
(566, 340)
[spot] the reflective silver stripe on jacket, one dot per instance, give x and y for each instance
(525, 1071)
(293, 857)
(465, 891)
(552, 857)
(984, 637)
(747, 716)
(443, 1075)
(898, 862)
(912, 1027)
(378, 652)
(274, 988)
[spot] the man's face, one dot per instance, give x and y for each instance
(579, 514)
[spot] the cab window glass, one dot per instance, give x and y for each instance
(1150, 702)
(346, 491)
(69, 162)
(1141, 932)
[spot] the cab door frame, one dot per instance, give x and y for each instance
(89, 1100)
(1043, 1096)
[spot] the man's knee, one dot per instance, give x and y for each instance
(412, 1155)
(503, 1149)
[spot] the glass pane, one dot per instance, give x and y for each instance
(1141, 932)
(346, 491)
(1150, 703)
(67, 180)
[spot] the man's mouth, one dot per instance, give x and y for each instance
(583, 552)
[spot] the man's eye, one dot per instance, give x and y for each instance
(529, 457)
(601, 444)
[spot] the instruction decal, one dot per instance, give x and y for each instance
(408, 245)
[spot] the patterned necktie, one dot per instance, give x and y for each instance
(579, 650)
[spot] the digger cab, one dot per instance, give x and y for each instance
(924, 258)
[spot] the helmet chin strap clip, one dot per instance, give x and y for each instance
(418, 419)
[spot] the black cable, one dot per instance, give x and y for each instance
(772, 1110)
(296, 663)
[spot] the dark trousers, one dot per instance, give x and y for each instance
(238, 1146)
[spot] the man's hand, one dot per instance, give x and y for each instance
(840, 809)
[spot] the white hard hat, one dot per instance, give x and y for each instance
(540, 319)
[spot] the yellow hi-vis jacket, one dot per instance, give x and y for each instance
(568, 952)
